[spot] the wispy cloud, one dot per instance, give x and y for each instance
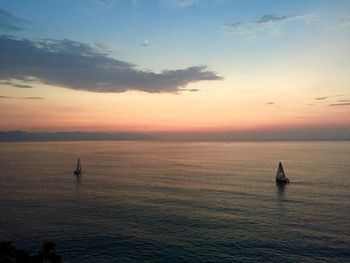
(343, 23)
(16, 85)
(178, 3)
(266, 22)
(327, 97)
(102, 48)
(339, 104)
(108, 3)
(79, 66)
(270, 103)
(22, 86)
(32, 98)
(343, 100)
(23, 98)
(321, 98)
(9, 22)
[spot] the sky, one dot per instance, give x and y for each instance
(176, 66)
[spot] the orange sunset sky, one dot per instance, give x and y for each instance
(174, 66)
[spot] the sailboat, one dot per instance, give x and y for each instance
(78, 170)
(281, 176)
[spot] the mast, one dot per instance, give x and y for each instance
(78, 165)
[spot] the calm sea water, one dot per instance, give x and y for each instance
(178, 202)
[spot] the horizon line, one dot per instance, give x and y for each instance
(18, 135)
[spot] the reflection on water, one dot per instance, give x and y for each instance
(281, 191)
(178, 202)
(77, 182)
(78, 178)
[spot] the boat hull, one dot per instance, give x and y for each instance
(282, 181)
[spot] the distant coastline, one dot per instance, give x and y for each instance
(23, 136)
(12, 136)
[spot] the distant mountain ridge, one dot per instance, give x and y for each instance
(249, 135)
(8, 136)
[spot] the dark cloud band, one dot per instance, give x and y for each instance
(16, 85)
(79, 66)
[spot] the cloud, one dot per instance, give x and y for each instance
(79, 66)
(327, 97)
(178, 3)
(32, 98)
(16, 85)
(339, 104)
(343, 100)
(266, 22)
(342, 24)
(270, 103)
(23, 98)
(9, 22)
(102, 48)
(22, 86)
(108, 3)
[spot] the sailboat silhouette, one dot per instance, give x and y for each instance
(281, 176)
(78, 169)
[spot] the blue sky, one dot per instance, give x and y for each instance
(195, 29)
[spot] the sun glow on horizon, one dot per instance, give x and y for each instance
(268, 69)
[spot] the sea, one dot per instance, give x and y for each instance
(152, 201)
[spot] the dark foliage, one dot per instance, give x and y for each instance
(9, 254)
